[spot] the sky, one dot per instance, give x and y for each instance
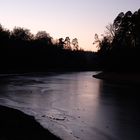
(79, 19)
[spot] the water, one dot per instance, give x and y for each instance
(76, 106)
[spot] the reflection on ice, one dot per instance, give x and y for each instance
(75, 105)
(55, 115)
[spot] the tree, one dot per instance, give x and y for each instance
(124, 30)
(118, 21)
(4, 34)
(43, 37)
(61, 43)
(105, 45)
(19, 33)
(110, 32)
(96, 41)
(120, 46)
(67, 44)
(75, 44)
(136, 28)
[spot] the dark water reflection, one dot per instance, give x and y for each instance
(76, 105)
(123, 101)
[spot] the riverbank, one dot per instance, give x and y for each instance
(127, 78)
(15, 125)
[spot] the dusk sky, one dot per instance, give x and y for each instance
(61, 18)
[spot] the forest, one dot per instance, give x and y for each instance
(22, 51)
(118, 50)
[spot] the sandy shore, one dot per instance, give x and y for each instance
(15, 125)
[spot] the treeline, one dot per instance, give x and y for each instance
(119, 50)
(22, 51)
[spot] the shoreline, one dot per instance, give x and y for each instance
(122, 78)
(16, 125)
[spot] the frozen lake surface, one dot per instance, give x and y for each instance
(76, 106)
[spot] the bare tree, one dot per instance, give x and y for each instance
(67, 44)
(110, 32)
(96, 41)
(75, 44)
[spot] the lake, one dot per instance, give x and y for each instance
(76, 106)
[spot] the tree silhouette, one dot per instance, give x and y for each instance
(21, 34)
(22, 51)
(97, 41)
(110, 32)
(43, 37)
(4, 36)
(67, 44)
(120, 47)
(61, 43)
(75, 44)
